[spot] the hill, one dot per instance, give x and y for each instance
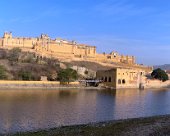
(16, 64)
(164, 67)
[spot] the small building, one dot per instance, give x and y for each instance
(121, 77)
(43, 78)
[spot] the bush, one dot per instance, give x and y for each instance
(28, 58)
(51, 62)
(160, 74)
(3, 54)
(14, 54)
(67, 75)
(86, 72)
(25, 75)
(52, 75)
(3, 74)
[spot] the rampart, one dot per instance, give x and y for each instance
(44, 46)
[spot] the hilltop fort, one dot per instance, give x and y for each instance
(44, 46)
(119, 71)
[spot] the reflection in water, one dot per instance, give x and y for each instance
(39, 109)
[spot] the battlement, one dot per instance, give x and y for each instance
(58, 47)
(7, 35)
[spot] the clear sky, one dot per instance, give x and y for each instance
(135, 27)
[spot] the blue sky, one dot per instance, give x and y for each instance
(135, 27)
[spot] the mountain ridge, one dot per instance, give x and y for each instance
(164, 67)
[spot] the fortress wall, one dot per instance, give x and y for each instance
(72, 49)
(66, 49)
(14, 42)
(80, 51)
(91, 51)
(19, 42)
(1, 42)
(150, 83)
(107, 57)
(29, 43)
(45, 46)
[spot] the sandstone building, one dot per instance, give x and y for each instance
(129, 75)
(122, 77)
(44, 46)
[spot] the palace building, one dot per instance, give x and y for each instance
(122, 77)
(59, 48)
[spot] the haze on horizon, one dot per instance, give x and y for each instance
(132, 27)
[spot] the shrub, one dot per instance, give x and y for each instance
(67, 75)
(52, 75)
(28, 58)
(3, 74)
(51, 62)
(160, 74)
(3, 54)
(14, 54)
(25, 75)
(86, 72)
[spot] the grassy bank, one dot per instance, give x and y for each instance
(153, 126)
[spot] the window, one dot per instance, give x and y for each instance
(105, 79)
(119, 81)
(109, 57)
(110, 79)
(123, 81)
(89, 51)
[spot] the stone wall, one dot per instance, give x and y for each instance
(151, 83)
(35, 84)
(58, 48)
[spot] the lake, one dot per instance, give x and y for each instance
(29, 110)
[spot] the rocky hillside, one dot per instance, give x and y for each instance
(16, 64)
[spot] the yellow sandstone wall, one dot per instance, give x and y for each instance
(122, 77)
(108, 77)
(59, 48)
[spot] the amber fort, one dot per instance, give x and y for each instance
(59, 48)
(125, 71)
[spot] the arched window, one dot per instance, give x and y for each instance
(105, 80)
(123, 81)
(89, 51)
(110, 79)
(119, 81)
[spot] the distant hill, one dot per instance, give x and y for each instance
(164, 67)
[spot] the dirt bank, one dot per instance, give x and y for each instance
(151, 126)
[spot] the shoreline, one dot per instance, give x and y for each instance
(155, 125)
(72, 87)
(26, 85)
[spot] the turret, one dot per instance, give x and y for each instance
(8, 35)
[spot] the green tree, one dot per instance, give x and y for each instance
(2, 73)
(160, 74)
(25, 75)
(14, 54)
(67, 75)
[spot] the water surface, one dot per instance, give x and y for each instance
(28, 110)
